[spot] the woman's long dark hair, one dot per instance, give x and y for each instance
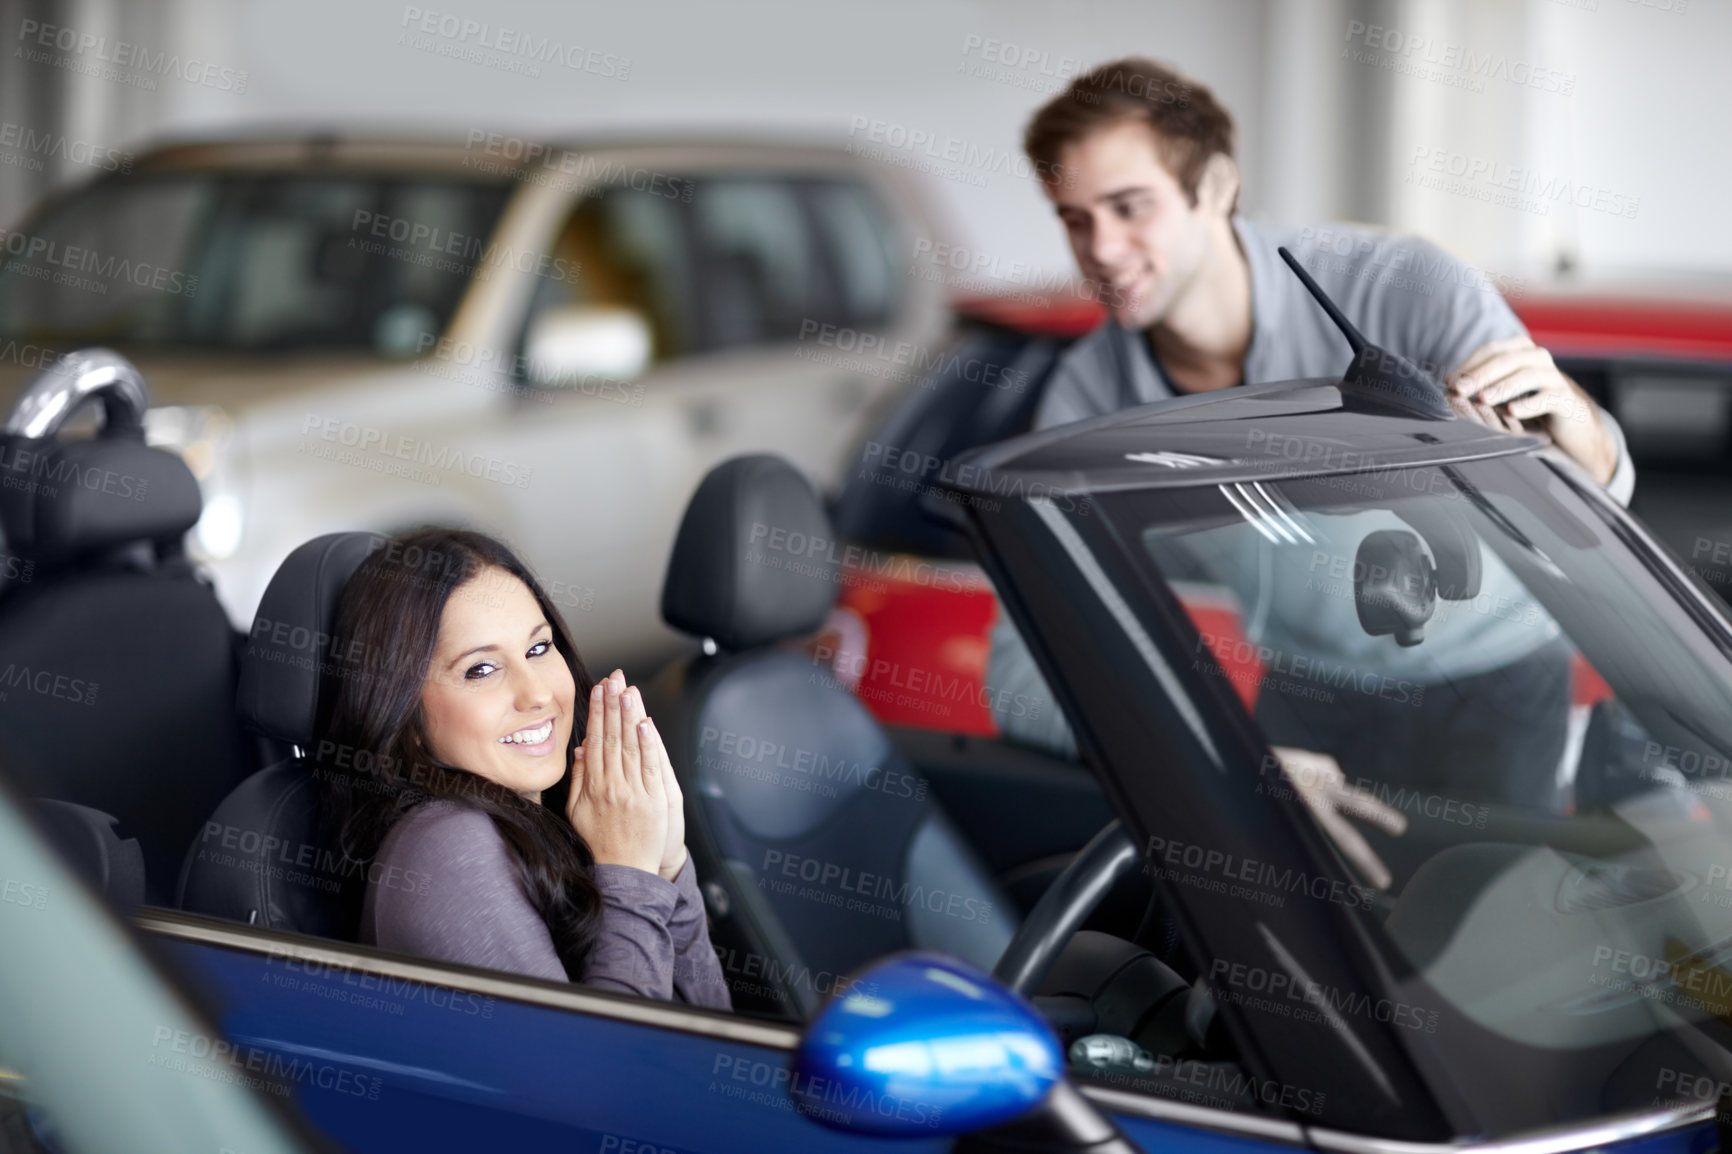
(373, 757)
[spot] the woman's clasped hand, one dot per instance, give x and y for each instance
(624, 799)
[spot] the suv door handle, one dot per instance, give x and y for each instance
(704, 417)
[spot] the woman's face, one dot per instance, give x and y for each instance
(498, 698)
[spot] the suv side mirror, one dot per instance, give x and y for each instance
(940, 1048)
(568, 345)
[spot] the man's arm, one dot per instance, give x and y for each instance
(1622, 486)
(1451, 318)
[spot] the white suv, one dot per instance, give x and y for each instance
(549, 343)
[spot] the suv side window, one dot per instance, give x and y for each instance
(625, 247)
(760, 271)
(732, 262)
(138, 232)
(856, 234)
(269, 261)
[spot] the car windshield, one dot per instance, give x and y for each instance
(1528, 729)
(251, 262)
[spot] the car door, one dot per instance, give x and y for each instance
(460, 1059)
(455, 1059)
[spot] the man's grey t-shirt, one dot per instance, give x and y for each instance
(1405, 295)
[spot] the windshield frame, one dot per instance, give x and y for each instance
(1115, 667)
(1709, 612)
(1037, 560)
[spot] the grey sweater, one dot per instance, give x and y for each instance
(1405, 295)
(444, 886)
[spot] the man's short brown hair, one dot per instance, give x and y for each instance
(1189, 124)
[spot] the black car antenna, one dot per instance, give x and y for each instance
(1355, 338)
(1392, 377)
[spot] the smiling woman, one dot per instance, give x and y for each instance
(480, 847)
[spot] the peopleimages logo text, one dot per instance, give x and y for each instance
(842, 879)
(727, 751)
(515, 42)
(1460, 58)
(122, 54)
(1270, 989)
(452, 459)
(1300, 667)
(80, 259)
(1171, 859)
(880, 457)
(784, 1085)
(270, 1065)
(918, 359)
(929, 144)
(46, 683)
(14, 135)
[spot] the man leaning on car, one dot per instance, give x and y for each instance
(1146, 187)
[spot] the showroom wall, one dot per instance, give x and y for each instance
(1561, 135)
(1530, 135)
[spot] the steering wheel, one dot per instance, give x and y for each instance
(1184, 1023)
(1064, 907)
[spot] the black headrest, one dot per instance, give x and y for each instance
(755, 560)
(87, 839)
(60, 500)
(290, 640)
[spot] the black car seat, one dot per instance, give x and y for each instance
(818, 843)
(117, 661)
(987, 389)
(260, 858)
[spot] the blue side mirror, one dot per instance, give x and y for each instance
(939, 1047)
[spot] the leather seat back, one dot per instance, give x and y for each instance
(261, 857)
(117, 661)
(819, 844)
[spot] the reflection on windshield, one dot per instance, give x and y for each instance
(273, 261)
(1504, 721)
(1480, 705)
(1439, 642)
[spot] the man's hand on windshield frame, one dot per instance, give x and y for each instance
(1506, 383)
(1324, 788)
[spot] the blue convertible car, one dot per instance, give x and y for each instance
(1419, 839)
